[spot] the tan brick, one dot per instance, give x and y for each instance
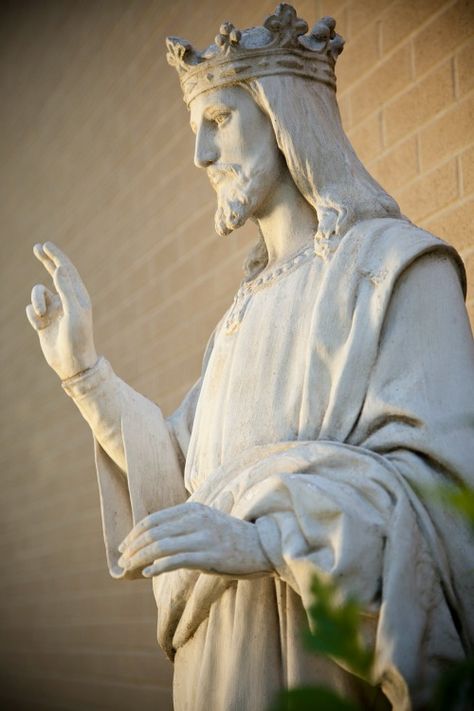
(448, 134)
(361, 55)
(418, 104)
(467, 169)
(443, 35)
(367, 138)
(470, 309)
(330, 7)
(464, 62)
(467, 257)
(125, 666)
(397, 166)
(390, 77)
(454, 224)
(402, 19)
(430, 192)
(362, 14)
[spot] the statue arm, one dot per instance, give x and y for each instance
(105, 401)
(100, 396)
(418, 411)
(416, 421)
(132, 437)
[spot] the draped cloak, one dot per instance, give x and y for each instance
(334, 395)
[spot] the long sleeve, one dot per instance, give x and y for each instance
(98, 394)
(133, 438)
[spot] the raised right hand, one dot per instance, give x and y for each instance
(63, 320)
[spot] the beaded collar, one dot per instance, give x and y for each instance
(262, 281)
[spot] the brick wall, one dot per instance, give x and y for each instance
(406, 83)
(97, 156)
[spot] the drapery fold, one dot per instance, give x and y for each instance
(386, 413)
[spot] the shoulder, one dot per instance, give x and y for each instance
(388, 246)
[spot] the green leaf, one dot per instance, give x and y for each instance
(461, 499)
(455, 688)
(336, 628)
(312, 698)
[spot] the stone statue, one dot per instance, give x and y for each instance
(337, 389)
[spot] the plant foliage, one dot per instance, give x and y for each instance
(336, 633)
(336, 628)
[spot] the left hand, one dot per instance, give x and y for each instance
(197, 537)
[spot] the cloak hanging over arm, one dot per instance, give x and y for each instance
(139, 455)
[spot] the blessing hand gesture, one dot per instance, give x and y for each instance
(63, 320)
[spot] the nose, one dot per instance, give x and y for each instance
(205, 149)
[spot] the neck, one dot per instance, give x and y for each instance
(286, 221)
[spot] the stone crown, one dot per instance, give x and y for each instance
(282, 45)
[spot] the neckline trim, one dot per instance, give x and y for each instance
(249, 287)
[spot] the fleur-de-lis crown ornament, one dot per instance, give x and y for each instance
(282, 45)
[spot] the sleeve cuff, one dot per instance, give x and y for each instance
(82, 384)
(270, 538)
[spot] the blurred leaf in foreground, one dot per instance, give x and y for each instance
(461, 500)
(455, 689)
(336, 628)
(335, 633)
(312, 698)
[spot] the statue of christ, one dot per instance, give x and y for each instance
(337, 387)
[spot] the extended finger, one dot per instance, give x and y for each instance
(46, 261)
(191, 561)
(157, 519)
(162, 549)
(170, 529)
(40, 298)
(62, 282)
(63, 262)
(57, 256)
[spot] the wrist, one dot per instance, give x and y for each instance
(85, 381)
(80, 370)
(77, 366)
(263, 561)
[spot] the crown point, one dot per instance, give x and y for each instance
(275, 47)
(321, 32)
(226, 28)
(330, 22)
(273, 24)
(235, 36)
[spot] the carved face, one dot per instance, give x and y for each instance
(236, 144)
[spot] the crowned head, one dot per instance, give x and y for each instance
(275, 85)
(281, 46)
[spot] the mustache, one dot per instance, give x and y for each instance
(217, 172)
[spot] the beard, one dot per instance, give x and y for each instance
(238, 196)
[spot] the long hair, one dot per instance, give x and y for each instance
(321, 160)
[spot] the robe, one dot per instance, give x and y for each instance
(335, 393)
